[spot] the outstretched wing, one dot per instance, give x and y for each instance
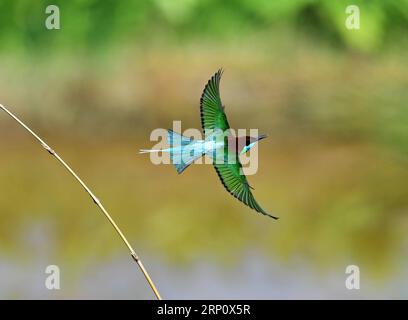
(237, 184)
(211, 108)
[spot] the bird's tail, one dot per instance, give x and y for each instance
(184, 150)
(185, 155)
(176, 139)
(148, 150)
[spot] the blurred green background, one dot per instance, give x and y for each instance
(334, 169)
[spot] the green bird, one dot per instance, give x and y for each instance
(219, 144)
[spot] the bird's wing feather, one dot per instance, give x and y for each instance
(211, 108)
(237, 184)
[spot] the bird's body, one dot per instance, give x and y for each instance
(219, 144)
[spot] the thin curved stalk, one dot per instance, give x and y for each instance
(94, 199)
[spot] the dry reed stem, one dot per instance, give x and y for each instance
(94, 199)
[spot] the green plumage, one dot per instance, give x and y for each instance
(230, 172)
(212, 110)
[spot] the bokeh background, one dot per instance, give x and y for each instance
(334, 169)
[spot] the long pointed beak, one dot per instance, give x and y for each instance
(262, 136)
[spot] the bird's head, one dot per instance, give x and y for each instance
(250, 142)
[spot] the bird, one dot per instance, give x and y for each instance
(219, 144)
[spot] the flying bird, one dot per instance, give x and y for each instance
(219, 144)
